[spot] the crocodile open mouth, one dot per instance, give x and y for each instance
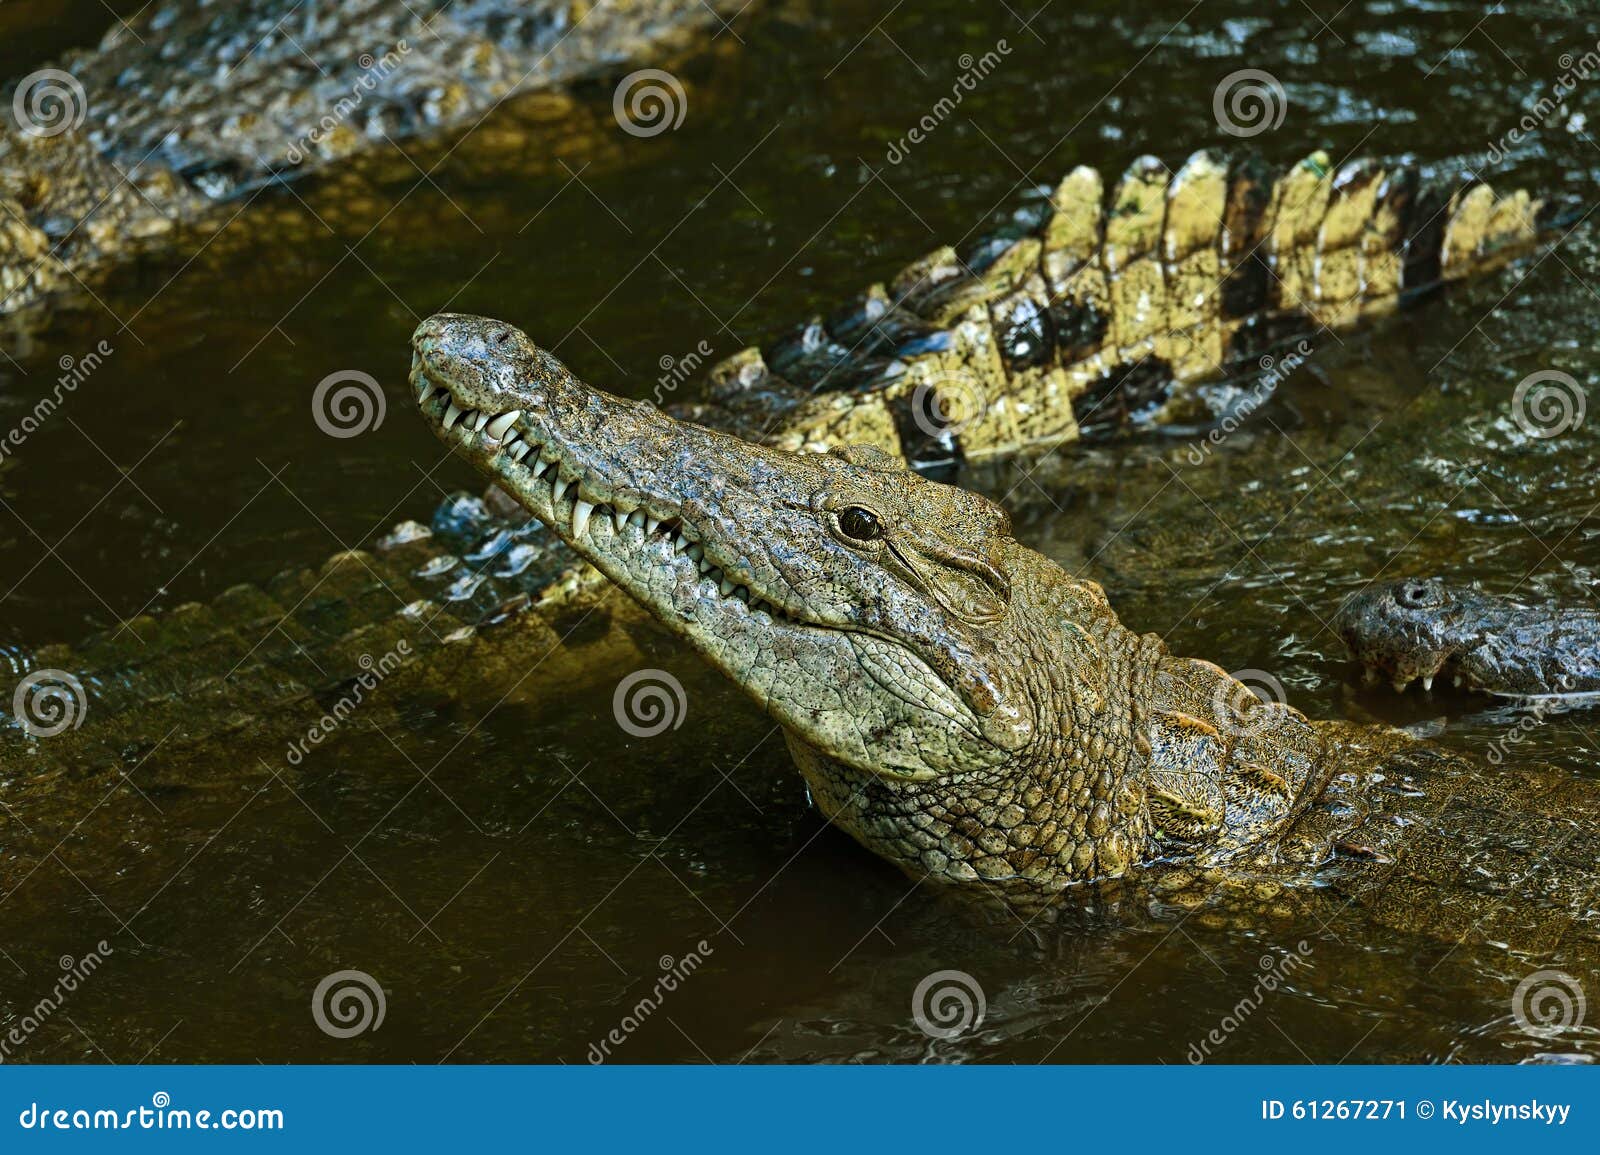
(586, 511)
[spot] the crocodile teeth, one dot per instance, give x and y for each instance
(1427, 683)
(581, 510)
(451, 413)
(1400, 685)
(519, 450)
(650, 523)
(479, 421)
(497, 428)
(619, 519)
(725, 587)
(559, 488)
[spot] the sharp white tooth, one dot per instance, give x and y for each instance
(451, 413)
(637, 518)
(1427, 683)
(479, 421)
(425, 389)
(695, 552)
(680, 544)
(497, 428)
(581, 510)
(619, 519)
(560, 487)
(725, 587)
(650, 523)
(519, 450)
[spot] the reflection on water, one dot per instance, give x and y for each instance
(519, 875)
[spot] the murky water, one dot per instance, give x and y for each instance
(522, 897)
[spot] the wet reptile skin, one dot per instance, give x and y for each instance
(1423, 628)
(970, 712)
(483, 581)
(193, 103)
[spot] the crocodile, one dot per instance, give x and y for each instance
(480, 590)
(971, 713)
(1419, 628)
(187, 109)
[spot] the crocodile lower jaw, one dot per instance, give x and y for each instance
(603, 530)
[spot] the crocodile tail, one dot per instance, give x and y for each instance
(1098, 305)
(207, 691)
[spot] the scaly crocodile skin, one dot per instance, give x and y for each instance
(193, 103)
(967, 710)
(504, 589)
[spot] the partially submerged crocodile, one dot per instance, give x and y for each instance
(188, 105)
(1421, 628)
(486, 600)
(970, 712)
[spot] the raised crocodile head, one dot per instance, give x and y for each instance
(957, 702)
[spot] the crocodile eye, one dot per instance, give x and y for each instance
(860, 524)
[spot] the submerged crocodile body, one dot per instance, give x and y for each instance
(189, 105)
(487, 600)
(1419, 629)
(973, 714)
